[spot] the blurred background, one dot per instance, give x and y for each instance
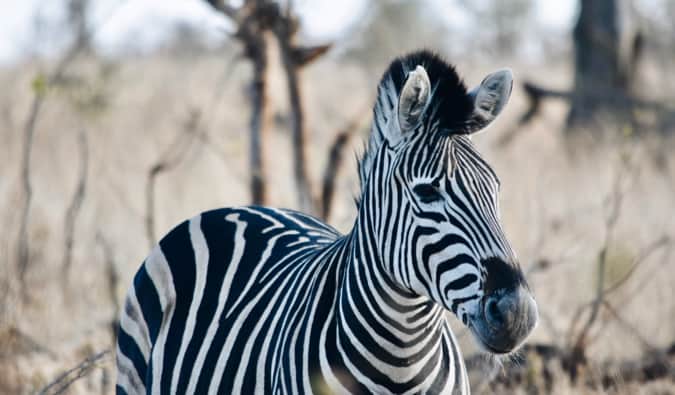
(120, 119)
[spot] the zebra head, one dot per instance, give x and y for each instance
(438, 228)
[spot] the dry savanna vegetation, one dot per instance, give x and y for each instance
(99, 157)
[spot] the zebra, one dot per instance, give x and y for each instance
(262, 300)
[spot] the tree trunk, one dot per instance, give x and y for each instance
(299, 131)
(77, 18)
(597, 61)
(257, 51)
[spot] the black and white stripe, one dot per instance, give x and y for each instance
(261, 300)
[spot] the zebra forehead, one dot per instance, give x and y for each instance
(428, 158)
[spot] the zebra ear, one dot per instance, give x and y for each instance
(489, 98)
(413, 99)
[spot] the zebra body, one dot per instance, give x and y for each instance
(242, 322)
(261, 300)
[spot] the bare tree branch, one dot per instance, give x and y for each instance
(254, 19)
(260, 115)
(112, 279)
(299, 133)
(335, 159)
(641, 257)
(303, 56)
(16, 341)
(253, 22)
(41, 85)
(168, 160)
(541, 361)
(628, 326)
(294, 58)
(64, 380)
(225, 8)
(578, 345)
(74, 208)
(537, 94)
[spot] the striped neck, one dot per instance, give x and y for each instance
(390, 340)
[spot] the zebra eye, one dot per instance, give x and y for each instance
(427, 193)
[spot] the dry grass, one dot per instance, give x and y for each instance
(553, 202)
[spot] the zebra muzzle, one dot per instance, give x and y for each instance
(508, 317)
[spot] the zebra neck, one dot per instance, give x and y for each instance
(389, 339)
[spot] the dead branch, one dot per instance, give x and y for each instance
(294, 58)
(549, 323)
(74, 208)
(173, 156)
(15, 342)
(577, 355)
(537, 94)
(654, 365)
(538, 364)
(77, 18)
(253, 21)
(168, 160)
(285, 29)
(41, 85)
(225, 8)
(299, 133)
(112, 279)
(259, 121)
(627, 326)
(641, 257)
(335, 160)
(206, 120)
(23, 258)
(64, 380)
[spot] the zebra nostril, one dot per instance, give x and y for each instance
(493, 314)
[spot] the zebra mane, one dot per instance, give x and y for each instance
(449, 110)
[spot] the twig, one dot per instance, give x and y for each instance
(167, 161)
(628, 326)
(259, 121)
(225, 8)
(577, 354)
(548, 321)
(253, 23)
(639, 259)
(653, 365)
(219, 89)
(294, 59)
(40, 87)
(537, 94)
(112, 279)
(299, 128)
(335, 159)
(22, 339)
(74, 209)
(610, 222)
(63, 381)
